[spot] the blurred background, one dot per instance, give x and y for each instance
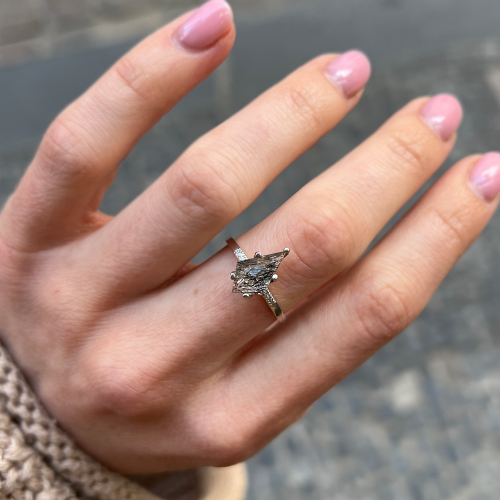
(421, 420)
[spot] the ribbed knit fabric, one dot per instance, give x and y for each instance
(38, 461)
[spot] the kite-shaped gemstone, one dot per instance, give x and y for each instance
(253, 276)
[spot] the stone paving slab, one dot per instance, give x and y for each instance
(421, 419)
(36, 29)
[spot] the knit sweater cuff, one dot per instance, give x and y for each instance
(38, 461)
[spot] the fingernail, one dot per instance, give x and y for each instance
(349, 72)
(485, 176)
(443, 113)
(206, 25)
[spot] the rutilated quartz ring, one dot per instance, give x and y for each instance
(253, 276)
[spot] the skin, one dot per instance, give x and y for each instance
(107, 317)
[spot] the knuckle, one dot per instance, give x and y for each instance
(225, 443)
(451, 228)
(407, 148)
(230, 450)
(236, 433)
(64, 150)
(132, 78)
(382, 309)
(117, 387)
(322, 238)
(305, 103)
(202, 188)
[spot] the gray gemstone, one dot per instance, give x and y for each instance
(253, 276)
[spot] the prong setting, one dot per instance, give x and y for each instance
(253, 276)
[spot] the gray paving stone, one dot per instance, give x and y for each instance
(21, 20)
(34, 29)
(68, 15)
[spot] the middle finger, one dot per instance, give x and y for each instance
(221, 174)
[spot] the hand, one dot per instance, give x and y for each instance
(151, 363)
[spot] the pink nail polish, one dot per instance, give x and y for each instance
(206, 25)
(443, 113)
(349, 72)
(485, 176)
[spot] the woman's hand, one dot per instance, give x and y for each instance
(151, 363)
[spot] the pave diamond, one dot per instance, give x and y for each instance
(253, 276)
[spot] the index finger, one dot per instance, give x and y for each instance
(78, 158)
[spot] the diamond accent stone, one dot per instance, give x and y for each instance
(253, 276)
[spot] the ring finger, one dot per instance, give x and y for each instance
(327, 225)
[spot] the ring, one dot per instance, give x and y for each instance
(253, 276)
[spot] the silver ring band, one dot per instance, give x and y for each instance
(268, 296)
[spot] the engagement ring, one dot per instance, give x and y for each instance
(253, 276)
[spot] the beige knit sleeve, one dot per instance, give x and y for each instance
(38, 461)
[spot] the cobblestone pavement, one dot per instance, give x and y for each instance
(34, 29)
(421, 419)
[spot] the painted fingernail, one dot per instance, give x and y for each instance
(349, 72)
(485, 176)
(443, 113)
(206, 25)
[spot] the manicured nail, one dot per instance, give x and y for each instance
(443, 113)
(485, 176)
(349, 72)
(206, 25)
